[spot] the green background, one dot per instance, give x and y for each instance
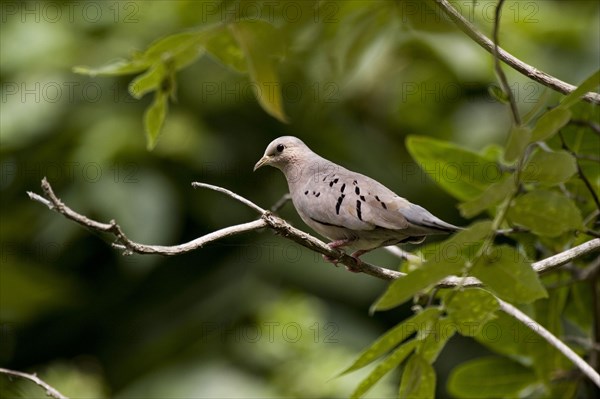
(254, 315)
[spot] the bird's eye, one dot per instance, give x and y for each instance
(280, 147)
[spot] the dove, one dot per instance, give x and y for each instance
(350, 209)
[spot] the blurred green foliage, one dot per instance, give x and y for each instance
(255, 315)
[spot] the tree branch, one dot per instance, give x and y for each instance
(509, 59)
(283, 228)
(50, 391)
(498, 67)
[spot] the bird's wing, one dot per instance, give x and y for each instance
(349, 200)
(356, 202)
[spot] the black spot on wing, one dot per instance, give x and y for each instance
(357, 190)
(317, 195)
(383, 205)
(343, 188)
(339, 203)
(358, 211)
(362, 198)
(306, 192)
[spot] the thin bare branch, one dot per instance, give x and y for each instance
(50, 390)
(281, 202)
(509, 59)
(231, 194)
(582, 175)
(283, 228)
(556, 261)
(498, 67)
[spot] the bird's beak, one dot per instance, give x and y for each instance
(261, 162)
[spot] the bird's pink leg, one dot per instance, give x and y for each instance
(355, 255)
(334, 245)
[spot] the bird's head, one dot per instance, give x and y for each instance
(283, 152)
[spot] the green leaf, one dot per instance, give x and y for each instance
(254, 38)
(119, 67)
(549, 361)
(393, 337)
(507, 336)
(175, 44)
(508, 274)
(550, 123)
(470, 309)
(155, 117)
(402, 289)
(496, 92)
(224, 48)
(385, 367)
(462, 173)
(442, 260)
(490, 377)
(418, 379)
(577, 308)
(434, 338)
(588, 85)
(545, 213)
(549, 167)
(149, 81)
(492, 195)
(518, 139)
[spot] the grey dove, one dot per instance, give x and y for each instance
(348, 208)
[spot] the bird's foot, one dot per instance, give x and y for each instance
(355, 255)
(335, 245)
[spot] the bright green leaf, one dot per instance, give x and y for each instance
(492, 152)
(518, 139)
(254, 38)
(442, 260)
(470, 309)
(119, 67)
(492, 195)
(490, 377)
(402, 289)
(175, 44)
(549, 167)
(418, 379)
(222, 46)
(393, 337)
(507, 273)
(434, 338)
(588, 85)
(385, 367)
(154, 117)
(149, 81)
(550, 123)
(545, 213)
(462, 173)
